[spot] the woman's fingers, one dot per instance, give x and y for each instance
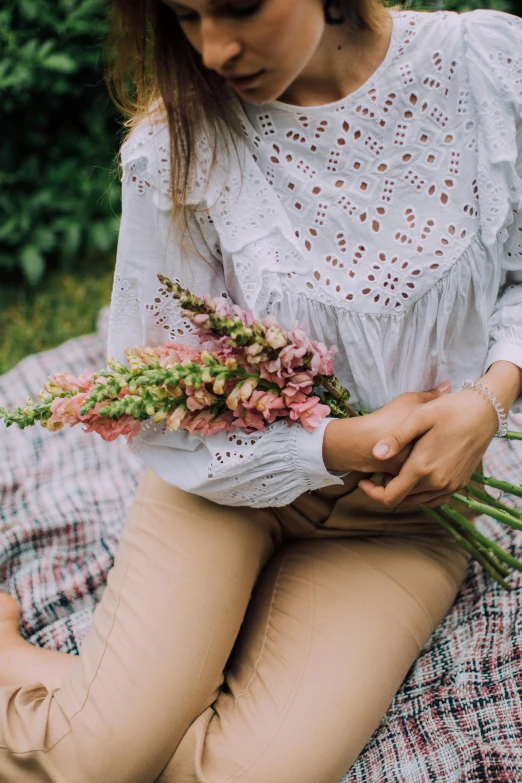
(392, 444)
(394, 465)
(393, 493)
(396, 490)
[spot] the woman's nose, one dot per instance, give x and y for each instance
(217, 45)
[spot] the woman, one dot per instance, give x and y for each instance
(271, 591)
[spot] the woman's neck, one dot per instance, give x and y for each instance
(344, 60)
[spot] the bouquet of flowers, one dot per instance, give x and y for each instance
(247, 374)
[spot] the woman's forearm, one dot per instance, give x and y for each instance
(504, 380)
(336, 442)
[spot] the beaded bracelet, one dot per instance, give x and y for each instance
(501, 413)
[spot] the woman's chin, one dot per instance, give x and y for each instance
(255, 96)
(259, 94)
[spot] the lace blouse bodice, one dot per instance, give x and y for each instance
(388, 223)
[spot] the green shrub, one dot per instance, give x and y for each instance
(59, 188)
(511, 6)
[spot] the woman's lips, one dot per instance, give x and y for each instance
(245, 81)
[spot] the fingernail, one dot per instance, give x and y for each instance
(443, 387)
(381, 450)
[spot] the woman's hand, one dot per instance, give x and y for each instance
(450, 435)
(348, 443)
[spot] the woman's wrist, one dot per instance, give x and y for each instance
(504, 380)
(336, 442)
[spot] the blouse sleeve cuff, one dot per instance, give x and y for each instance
(308, 457)
(509, 352)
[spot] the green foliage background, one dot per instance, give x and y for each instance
(59, 189)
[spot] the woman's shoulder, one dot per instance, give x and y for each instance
(491, 23)
(439, 33)
(494, 51)
(149, 138)
(145, 158)
(479, 50)
(147, 150)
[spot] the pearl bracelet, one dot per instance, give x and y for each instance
(501, 413)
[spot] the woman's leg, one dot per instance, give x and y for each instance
(333, 627)
(161, 635)
(23, 662)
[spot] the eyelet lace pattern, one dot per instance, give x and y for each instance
(385, 223)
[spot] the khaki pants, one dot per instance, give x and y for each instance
(238, 644)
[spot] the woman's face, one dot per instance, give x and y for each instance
(244, 37)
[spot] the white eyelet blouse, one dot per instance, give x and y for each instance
(388, 223)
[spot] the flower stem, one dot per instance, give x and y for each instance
(485, 498)
(513, 435)
(486, 542)
(495, 562)
(485, 561)
(340, 395)
(483, 508)
(505, 486)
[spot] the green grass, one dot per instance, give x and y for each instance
(63, 305)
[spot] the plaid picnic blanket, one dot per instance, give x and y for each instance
(64, 497)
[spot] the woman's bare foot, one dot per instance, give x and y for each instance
(22, 663)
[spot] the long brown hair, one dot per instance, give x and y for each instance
(150, 62)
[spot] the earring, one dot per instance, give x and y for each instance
(329, 19)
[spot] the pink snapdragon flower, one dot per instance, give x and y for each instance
(69, 383)
(249, 420)
(245, 316)
(274, 335)
(322, 358)
(310, 412)
(276, 377)
(170, 354)
(240, 393)
(221, 307)
(301, 381)
(110, 429)
(198, 399)
(299, 337)
(145, 354)
(206, 423)
(270, 405)
(175, 417)
(223, 422)
(202, 320)
(67, 409)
